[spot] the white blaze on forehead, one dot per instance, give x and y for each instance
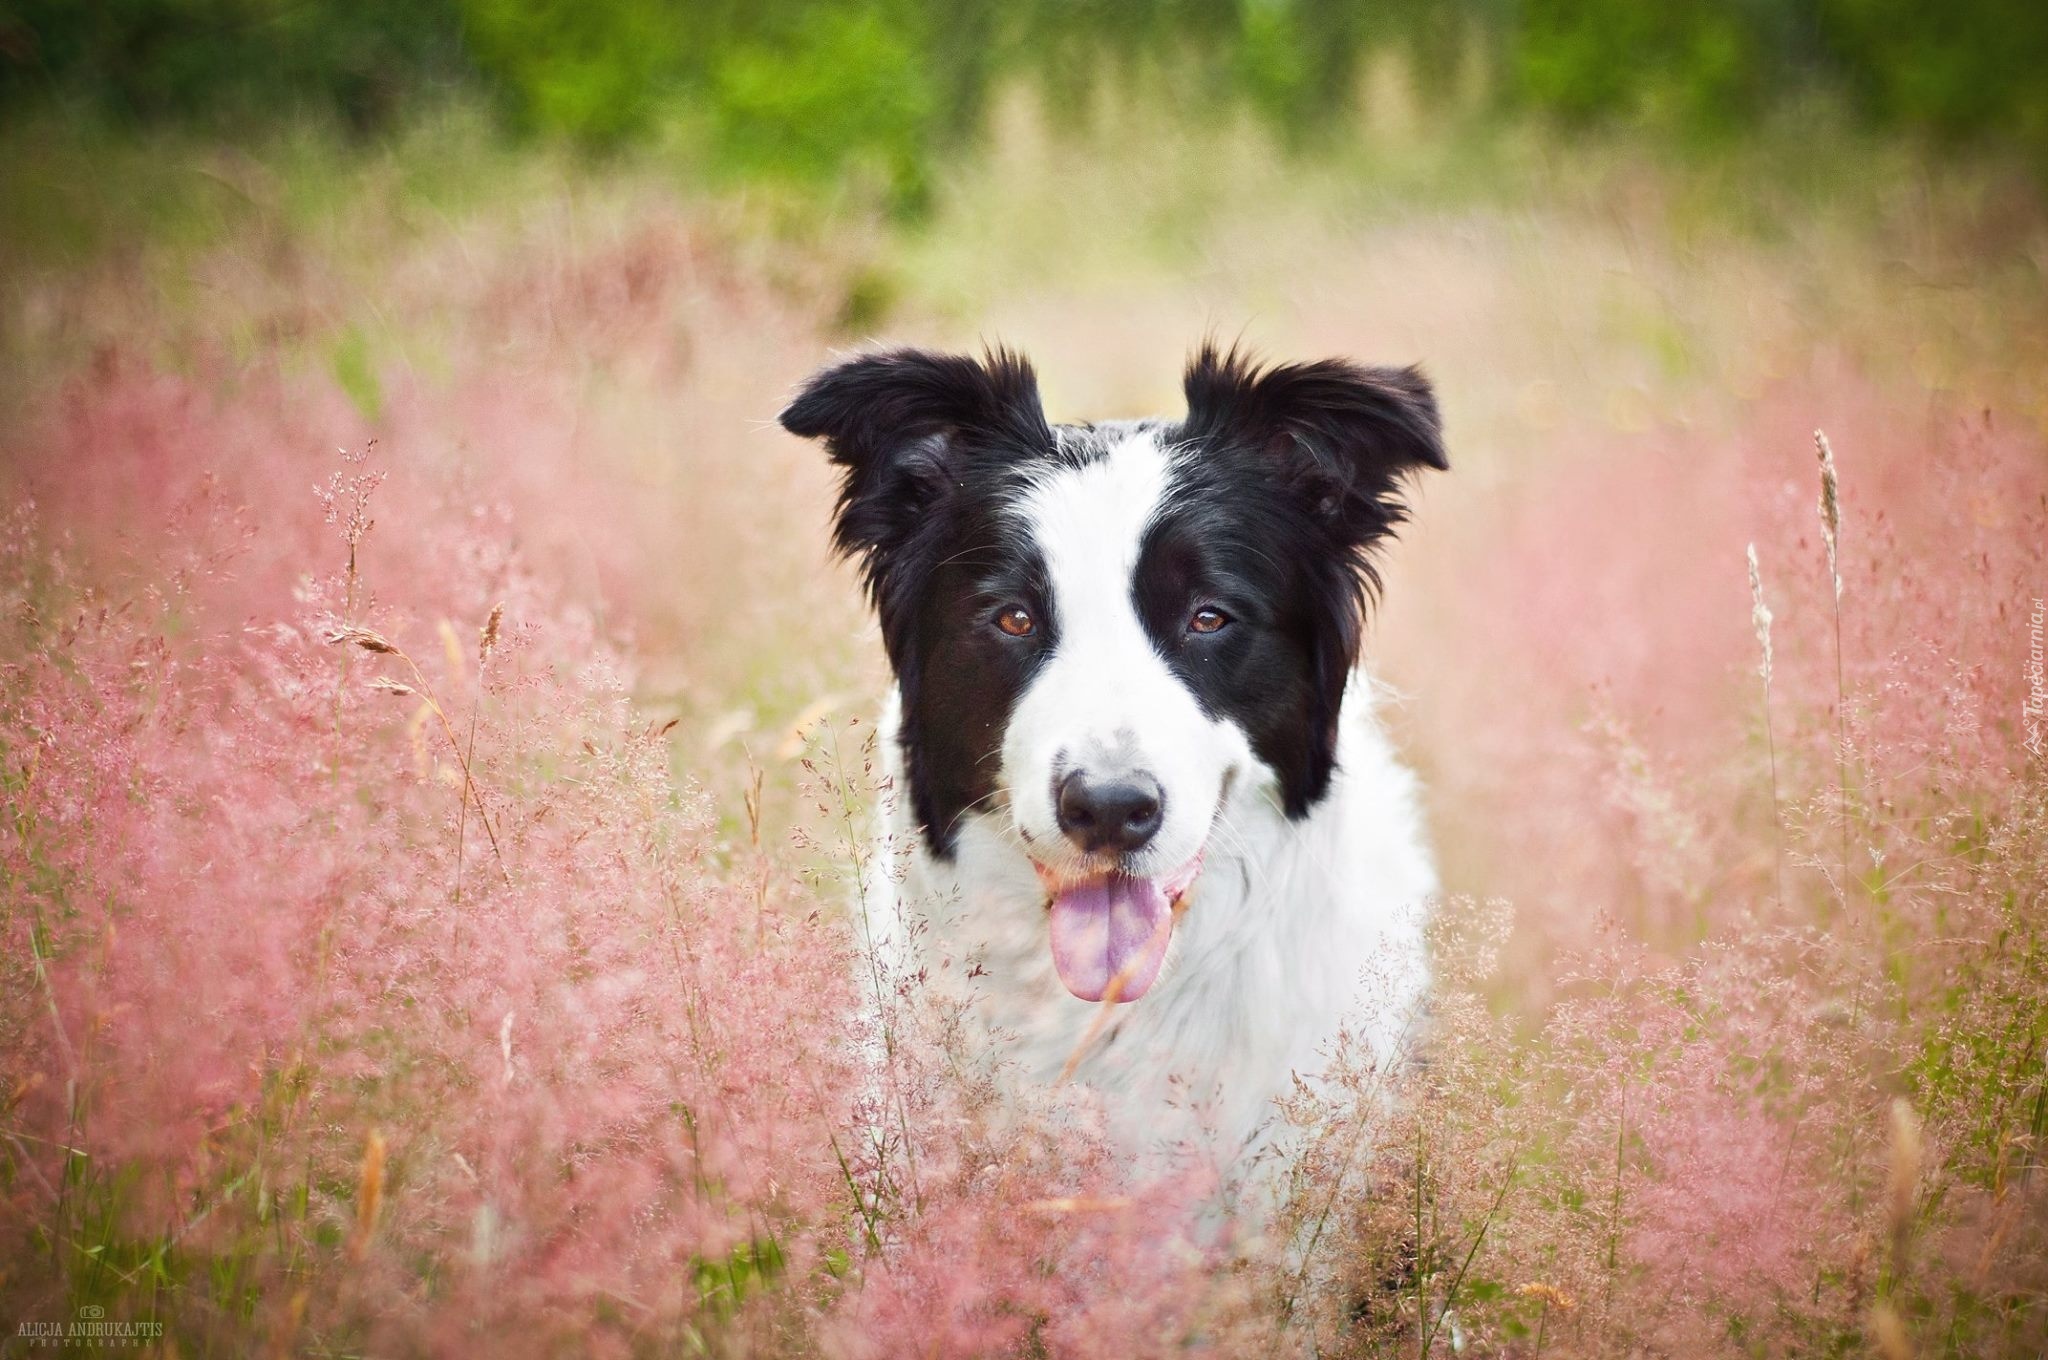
(1089, 522)
(1105, 700)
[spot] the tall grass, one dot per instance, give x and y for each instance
(428, 930)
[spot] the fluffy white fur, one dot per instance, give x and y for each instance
(1293, 929)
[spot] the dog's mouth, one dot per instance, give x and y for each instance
(1110, 932)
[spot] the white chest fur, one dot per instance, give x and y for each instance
(1294, 930)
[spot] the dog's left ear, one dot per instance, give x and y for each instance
(1346, 433)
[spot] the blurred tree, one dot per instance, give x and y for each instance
(592, 71)
(832, 88)
(811, 89)
(1956, 70)
(229, 60)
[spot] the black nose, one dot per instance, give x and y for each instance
(1119, 814)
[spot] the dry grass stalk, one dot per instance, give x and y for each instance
(284, 1339)
(487, 642)
(1507, 1183)
(1078, 1204)
(1547, 1296)
(372, 641)
(346, 498)
(369, 1195)
(2009, 1209)
(1760, 619)
(1110, 994)
(1888, 1330)
(369, 639)
(1830, 508)
(1831, 532)
(1103, 1010)
(1903, 1188)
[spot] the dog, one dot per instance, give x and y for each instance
(1153, 835)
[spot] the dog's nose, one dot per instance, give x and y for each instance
(1119, 814)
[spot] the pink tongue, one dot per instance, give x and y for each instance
(1114, 926)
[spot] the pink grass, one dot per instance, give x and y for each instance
(293, 927)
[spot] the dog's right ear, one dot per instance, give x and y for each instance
(901, 423)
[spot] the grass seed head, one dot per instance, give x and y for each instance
(1760, 616)
(368, 639)
(1904, 1185)
(489, 641)
(1888, 1330)
(1830, 507)
(1549, 1294)
(369, 1194)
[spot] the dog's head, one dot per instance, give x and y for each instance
(1099, 631)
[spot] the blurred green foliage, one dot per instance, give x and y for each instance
(235, 60)
(810, 89)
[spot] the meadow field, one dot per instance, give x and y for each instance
(436, 753)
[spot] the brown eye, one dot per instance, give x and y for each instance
(1208, 621)
(1016, 620)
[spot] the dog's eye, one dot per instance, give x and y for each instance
(1208, 621)
(1016, 620)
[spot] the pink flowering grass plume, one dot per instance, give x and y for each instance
(433, 877)
(379, 986)
(1736, 1047)
(258, 943)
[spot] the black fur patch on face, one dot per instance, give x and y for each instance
(1285, 480)
(933, 446)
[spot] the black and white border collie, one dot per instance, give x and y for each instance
(1140, 762)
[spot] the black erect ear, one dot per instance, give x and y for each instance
(1348, 434)
(899, 423)
(1343, 438)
